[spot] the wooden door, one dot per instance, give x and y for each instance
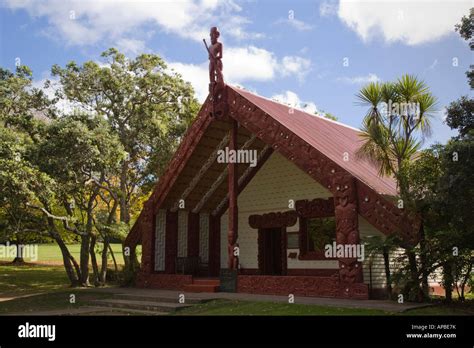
(272, 251)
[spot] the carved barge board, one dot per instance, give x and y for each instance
(232, 233)
(316, 164)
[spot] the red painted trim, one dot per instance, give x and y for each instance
(314, 272)
(171, 241)
(347, 225)
(232, 261)
(273, 220)
(193, 234)
(316, 208)
(300, 286)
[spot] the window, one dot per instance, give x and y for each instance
(317, 227)
(320, 231)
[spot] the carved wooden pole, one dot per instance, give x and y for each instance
(347, 225)
(232, 234)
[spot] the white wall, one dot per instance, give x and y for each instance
(273, 186)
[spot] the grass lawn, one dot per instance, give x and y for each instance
(51, 301)
(31, 279)
(455, 308)
(50, 253)
(47, 289)
(228, 307)
(44, 288)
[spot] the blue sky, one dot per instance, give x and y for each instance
(311, 54)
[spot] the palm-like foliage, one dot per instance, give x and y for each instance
(396, 123)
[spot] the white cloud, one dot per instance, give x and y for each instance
(296, 24)
(197, 75)
(360, 80)
(79, 22)
(64, 106)
(410, 22)
(243, 64)
(293, 100)
(249, 63)
(294, 65)
(131, 46)
(328, 8)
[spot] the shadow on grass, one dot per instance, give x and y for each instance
(29, 278)
(58, 300)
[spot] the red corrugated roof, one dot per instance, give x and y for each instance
(332, 138)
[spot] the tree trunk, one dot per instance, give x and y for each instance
(103, 266)
(414, 284)
(70, 264)
(19, 253)
(448, 280)
(84, 260)
(388, 276)
(465, 280)
(95, 267)
(113, 257)
(424, 266)
(131, 265)
(124, 204)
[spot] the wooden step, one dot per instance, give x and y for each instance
(201, 288)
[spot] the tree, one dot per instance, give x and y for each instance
(17, 181)
(20, 105)
(93, 156)
(441, 192)
(330, 116)
(147, 107)
(460, 115)
(466, 30)
(393, 129)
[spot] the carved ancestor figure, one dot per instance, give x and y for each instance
(350, 271)
(347, 229)
(217, 88)
(215, 58)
